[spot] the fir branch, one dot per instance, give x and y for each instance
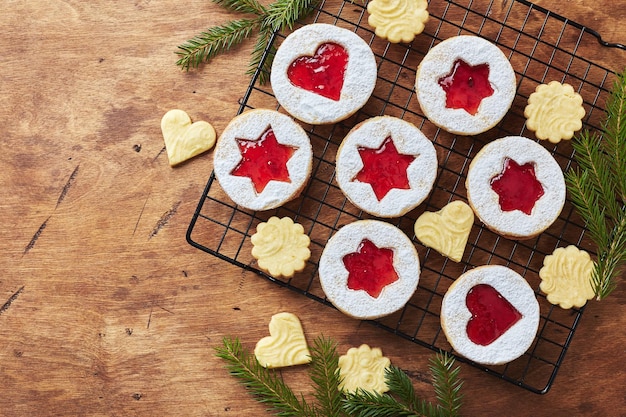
(598, 189)
(615, 134)
(278, 16)
(258, 53)
(585, 200)
(325, 376)
(215, 41)
(447, 383)
(263, 383)
(591, 159)
(447, 388)
(243, 6)
(283, 14)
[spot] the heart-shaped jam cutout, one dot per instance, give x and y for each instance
(323, 73)
(492, 314)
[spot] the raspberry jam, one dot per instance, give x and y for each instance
(517, 187)
(322, 73)
(370, 268)
(466, 86)
(384, 168)
(263, 160)
(492, 314)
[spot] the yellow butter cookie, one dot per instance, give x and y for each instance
(566, 277)
(183, 139)
(397, 20)
(447, 230)
(281, 247)
(554, 111)
(286, 344)
(363, 368)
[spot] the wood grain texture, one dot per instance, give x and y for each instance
(105, 310)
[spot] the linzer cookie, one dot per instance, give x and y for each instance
(369, 269)
(323, 73)
(465, 85)
(397, 20)
(386, 166)
(280, 246)
(286, 344)
(515, 187)
(554, 111)
(490, 315)
(263, 159)
(566, 277)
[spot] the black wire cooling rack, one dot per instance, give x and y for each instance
(542, 47)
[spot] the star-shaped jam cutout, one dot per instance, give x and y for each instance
(263, 160)
(384, 168)
(370, 268)
(517, 187)
(466, 86)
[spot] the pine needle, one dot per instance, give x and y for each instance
(447, 383)
(263, 384)
(242, 6)
(325, 376)
(278, 16)
(597, 187)
(215, 41)
(403, 401)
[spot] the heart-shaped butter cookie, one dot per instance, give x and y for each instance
(183, 139)
(286, 344)
(446, 230)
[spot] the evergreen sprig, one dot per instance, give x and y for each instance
(597, 187)
(278, 16)
(403, 402)
(266, 386)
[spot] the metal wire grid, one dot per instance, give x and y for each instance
(542, 47)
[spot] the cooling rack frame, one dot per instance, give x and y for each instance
(542, 46)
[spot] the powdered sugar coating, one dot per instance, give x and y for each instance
(455, 315)
(334, 275)
(250, 125)
(438, 63)
(408, 140)
(359, 79)
(489, 162)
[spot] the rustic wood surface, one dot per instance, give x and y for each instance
(105, 310)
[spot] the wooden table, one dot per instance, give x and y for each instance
(105, 310)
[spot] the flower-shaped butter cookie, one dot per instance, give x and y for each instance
(566, 277)
(447, 230)
(398, 20)
(363, 368)
(286, 344)
(554, 111)
(281, 247)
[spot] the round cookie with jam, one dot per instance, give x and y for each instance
(386, 166)
(322, 73)
(465, 85)
(263, 159)
(515, 187)
(490, 315)
(369, 269)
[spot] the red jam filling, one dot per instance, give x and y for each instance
(492, 314)
(384, 168)
(370, 268)
(322, 73)
(263, 160)
(517, 187)
(466, 86)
